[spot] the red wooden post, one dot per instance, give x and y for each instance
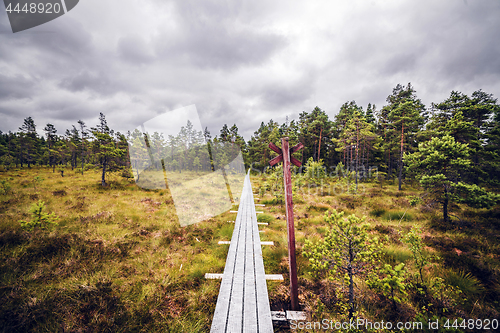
(287, 178)
(285, 156)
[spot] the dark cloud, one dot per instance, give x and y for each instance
(242, 62)
(208, 36)
(219, 47)
(281, 94)
(15, 87)
(134, 50)
(96, 82)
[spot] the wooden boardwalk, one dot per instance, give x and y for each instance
(243, 303)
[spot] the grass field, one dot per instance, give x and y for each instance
(119, 261)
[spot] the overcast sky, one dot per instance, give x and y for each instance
(241, 62)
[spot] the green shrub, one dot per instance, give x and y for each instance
(348, 250)
(378, 212)
(391, 284)
(315, 171)
(37, 180)
(39, 219)
(319, 207)
(264, 218)
(403, 216)
(415, 243)
(466, 282)
(272, 201)
(397, 254)
(414, 200)
(5, 187)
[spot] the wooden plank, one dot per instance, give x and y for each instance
(213, 276)
(296, 315)
(250, 321)
(243, 303)
(235, 314)
(263, 309)
(218, 276)
(225, 291)
(278, 315)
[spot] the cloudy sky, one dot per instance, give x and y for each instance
(241, 62)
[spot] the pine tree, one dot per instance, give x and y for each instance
(440, 164)
(370, 113)
(315, 133)
(105, 148)
(402, 118)
(257, 147)
(83, 142)
(50, 133)
(356, 140)
(28, 139)
(477, 110)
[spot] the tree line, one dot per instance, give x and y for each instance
(355, 138)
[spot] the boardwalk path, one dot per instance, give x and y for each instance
(243, 303)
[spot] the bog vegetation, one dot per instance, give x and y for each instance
(397, 218)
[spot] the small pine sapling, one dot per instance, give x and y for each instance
(39, 219)
(347, 251)
(5, 186)
(315, 172)
(37, 180)
(414, 200)
(274, 183)
(414, 241)
(392, 284)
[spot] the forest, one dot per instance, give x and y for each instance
(391, 140)
(419, 187)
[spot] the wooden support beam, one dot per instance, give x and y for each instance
(229, 242)
(218, 276)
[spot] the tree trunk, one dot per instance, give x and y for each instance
(445, 204)
(319, 142)
(83, 149)
(357, 154)
(103, 179)
(401, 158)
(389, 173)
(351, 292)
(345, 153)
